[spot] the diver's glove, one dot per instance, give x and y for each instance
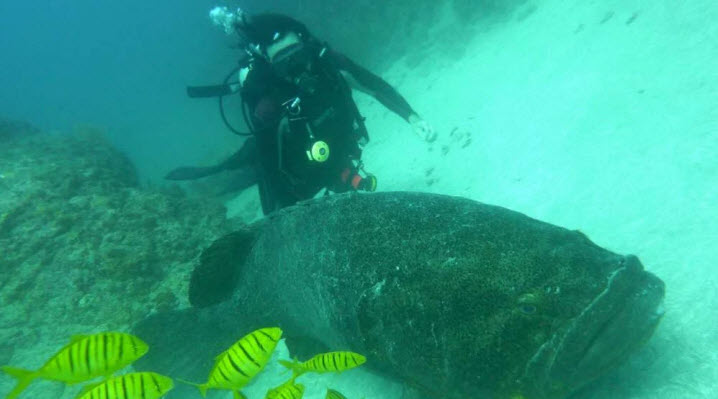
(422, 128)
(368, 184)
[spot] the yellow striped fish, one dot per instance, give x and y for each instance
(130, 386)
(332, 394)
(288, 390)
(236, 366)
(326, 362)
(84, 358)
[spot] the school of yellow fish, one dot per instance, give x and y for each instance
(88, 357)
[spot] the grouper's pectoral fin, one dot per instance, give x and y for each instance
(215, 278)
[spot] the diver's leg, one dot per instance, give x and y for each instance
(246, 156)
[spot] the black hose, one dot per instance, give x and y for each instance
(244, 113)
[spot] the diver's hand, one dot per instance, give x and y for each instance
(422, 128)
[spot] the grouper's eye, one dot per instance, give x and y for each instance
(527, 309)
(528, 303)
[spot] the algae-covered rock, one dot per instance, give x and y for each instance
(82, 243)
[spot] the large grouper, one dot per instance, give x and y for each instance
(456, 298)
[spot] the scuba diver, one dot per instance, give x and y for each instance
(306, 132)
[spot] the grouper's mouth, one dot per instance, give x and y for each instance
(616, 323)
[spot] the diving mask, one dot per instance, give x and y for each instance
(290, 56)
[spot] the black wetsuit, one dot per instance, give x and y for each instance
(325, 111)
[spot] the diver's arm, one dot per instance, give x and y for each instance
(361, 79)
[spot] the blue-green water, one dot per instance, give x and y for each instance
(601, 117)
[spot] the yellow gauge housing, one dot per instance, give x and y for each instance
(319, 151)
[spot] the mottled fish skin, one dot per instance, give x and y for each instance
(454, 297)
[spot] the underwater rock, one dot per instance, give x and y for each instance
(82, 242)
(12, 129)
(6, 352)
(454, 297)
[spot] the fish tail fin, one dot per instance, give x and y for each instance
(23, 377)
(202, 390)
(288, 364)
(294, 366)
(202, 387)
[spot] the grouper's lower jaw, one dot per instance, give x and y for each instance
(625, 333)
(614, 325)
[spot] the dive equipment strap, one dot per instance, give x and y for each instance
(220, 91)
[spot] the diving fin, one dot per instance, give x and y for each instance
(238, 181)
(244, 158)
(211, 91)
(192, 173)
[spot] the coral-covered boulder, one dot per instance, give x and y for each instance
(82, 243)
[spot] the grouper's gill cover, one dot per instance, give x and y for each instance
(455, 297)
